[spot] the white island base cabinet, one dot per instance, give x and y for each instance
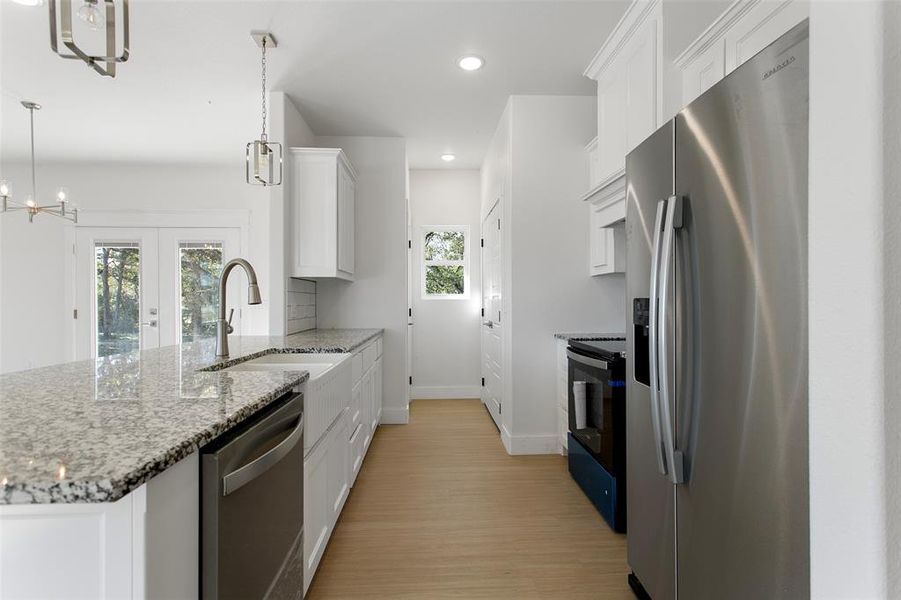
(334, 459)
(144, 545)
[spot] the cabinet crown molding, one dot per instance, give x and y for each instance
(715, 31)
(327, 152)
(610, 189)
(635, 16)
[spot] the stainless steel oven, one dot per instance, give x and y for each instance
(252, 507)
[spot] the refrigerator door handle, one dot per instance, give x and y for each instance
(653, 333)
(664, 360)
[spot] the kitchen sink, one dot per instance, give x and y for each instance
(317, 364)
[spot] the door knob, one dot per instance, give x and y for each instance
(150, 323)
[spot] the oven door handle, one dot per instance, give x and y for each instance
(244, 475)
(586, 360)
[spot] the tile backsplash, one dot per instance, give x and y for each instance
(300, 305)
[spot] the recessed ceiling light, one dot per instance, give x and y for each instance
(470, 62)
(448, 157)
(29, 2)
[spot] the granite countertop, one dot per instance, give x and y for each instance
(94, 430)
(590, 336)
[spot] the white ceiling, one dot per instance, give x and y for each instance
(190, 91)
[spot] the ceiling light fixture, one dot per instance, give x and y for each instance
(95, 19)
(62, 208)
(471, 62)
(263, 158)
(448, 157)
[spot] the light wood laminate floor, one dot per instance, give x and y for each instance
(440, 510)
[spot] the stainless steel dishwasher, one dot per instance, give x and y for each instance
(252, 507)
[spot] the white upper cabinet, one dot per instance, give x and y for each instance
(322, 186)
(629, 75)
(743, 30)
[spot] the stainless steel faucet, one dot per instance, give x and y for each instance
(223, 325)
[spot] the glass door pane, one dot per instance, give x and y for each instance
(118, 297)
(116, 291)
(200, 267)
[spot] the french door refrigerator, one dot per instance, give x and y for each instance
(716, 277)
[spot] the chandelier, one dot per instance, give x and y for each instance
(263, 158)
(95, 19)
(31, 206)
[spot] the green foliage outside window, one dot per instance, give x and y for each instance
(444, 256)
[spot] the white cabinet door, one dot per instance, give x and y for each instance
(628, 99)
(377, 396)
(763, 25)
(612, 135)
(336, 470)
(316, 512)
(321, 196)
(704, 71)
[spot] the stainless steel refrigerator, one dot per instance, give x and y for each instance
(716, 278)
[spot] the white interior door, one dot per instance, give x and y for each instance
(492, 339)
(116, 291)
(144, 287)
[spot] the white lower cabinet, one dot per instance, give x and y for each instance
(334, 459)
(144, 545)
(316, 528)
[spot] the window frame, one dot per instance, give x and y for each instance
(424, 264)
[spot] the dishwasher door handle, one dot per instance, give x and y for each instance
(244, 475)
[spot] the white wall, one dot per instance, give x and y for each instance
(37, 261)
(547, 288)
(446, 332)
(288, 127)
(552, 290)
(853, 249)
(378, 295)
(892, 275)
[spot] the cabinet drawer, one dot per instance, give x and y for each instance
(369, 356)
(356, 367)
(354, 409)
(355, 451)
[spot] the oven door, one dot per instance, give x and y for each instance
(252, 508)
(591, 405)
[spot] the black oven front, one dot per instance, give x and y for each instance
(597, 403)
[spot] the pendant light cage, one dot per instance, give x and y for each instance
(263, 159)
(98, 15)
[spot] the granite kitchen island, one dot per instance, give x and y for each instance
(99, 462)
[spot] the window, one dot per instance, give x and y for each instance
(444, 262)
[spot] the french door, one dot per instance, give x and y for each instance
(144, 287)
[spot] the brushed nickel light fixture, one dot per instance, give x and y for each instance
(264, 158)
(95, 19)
(60, 209)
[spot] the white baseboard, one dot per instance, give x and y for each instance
(441, 392)
(506, 439)
(395, 415)
(530, 444)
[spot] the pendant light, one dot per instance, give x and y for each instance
(264, 158)
(61, 208)
(93, 18)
